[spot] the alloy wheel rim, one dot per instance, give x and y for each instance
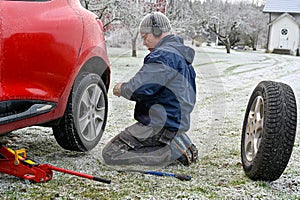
(254, 128)
(91, 112)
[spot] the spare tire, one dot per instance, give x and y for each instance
(269, 131)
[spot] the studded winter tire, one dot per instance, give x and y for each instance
(269, 130)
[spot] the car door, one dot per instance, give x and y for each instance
(284, 38)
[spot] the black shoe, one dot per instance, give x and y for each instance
(189, 156)
(194, 152)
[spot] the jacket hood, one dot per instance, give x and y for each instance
(177, 42)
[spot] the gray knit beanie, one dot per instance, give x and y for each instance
(162, 21)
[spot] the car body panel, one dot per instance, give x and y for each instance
(44, 45)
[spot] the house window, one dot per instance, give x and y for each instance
(284, 31)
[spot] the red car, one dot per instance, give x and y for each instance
(54, 70)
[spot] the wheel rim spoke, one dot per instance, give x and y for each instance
(84, 122)
(96, 93)
(254, 128)
(99, 118)
(99, 113)
(92, 130)
(85, 100)
(83, 117)
(91, 112)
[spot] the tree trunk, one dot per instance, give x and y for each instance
(134, 52)
(255, 43)
(227, 48)
(228, 45)
(254, 46)
(133, 45)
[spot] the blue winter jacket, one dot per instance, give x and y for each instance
(164, 89)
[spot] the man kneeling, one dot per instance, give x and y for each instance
(164, 90)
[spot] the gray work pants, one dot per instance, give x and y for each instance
(144, 145)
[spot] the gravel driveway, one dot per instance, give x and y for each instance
(225, 82)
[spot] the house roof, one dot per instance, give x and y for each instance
(290, 6)
(283, 16)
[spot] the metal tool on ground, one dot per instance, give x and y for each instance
(182, 177)
(16, 164)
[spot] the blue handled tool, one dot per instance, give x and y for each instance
(182, 177)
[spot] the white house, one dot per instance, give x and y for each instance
(284, 21)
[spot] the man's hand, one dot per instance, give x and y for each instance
(117, 89)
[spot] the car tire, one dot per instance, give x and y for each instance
(269, 131)
(84, 121)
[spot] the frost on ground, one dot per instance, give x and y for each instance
(224, 85)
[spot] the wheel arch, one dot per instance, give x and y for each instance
(98, 66)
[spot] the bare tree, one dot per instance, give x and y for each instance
(127, 13)
(228, 38)
(103, 9)
(221, 18)
(179, 13)
(254, 24)
(231, 22)
(131, 15)
(227, 23)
